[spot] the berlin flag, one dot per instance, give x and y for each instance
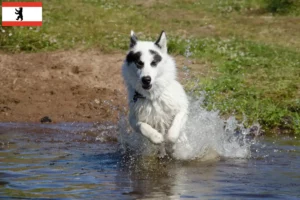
(22, 14)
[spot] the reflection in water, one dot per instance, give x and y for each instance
(168, 179)
(67, 161)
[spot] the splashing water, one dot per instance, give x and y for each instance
(208, 136)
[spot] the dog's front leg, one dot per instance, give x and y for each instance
(178, 122)
(153, 135)
(149, 132)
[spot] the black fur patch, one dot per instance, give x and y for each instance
(156, 58)
(133, 57)
(133, 41)
(158, 40)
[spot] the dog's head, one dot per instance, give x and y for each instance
(146, 60)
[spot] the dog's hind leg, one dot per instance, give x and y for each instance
(162, 147)
(162, 150)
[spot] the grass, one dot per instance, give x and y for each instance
(253, 50)
(253, 79)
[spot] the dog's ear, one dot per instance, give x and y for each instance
(161, 42)
(133, 39)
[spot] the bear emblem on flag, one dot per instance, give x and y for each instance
(19, 13)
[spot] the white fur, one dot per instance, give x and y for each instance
(161, 115)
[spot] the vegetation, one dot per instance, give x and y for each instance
(251, 46)
(282, 6)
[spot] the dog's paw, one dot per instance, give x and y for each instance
(157, 138)
(172, 136)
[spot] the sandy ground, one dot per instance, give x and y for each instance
(67, 86)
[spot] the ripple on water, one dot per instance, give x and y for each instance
(39, 162)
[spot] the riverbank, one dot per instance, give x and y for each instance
(245, 56)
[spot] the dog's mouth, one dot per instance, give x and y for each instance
(147, 87)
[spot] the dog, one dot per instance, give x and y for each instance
(158, 104)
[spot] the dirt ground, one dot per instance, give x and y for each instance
(67, 86)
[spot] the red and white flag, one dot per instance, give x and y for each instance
(22, 14)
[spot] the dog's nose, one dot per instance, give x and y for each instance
(146, 80)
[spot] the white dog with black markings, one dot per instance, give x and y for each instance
(157, 101)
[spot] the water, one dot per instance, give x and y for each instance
(84, 161)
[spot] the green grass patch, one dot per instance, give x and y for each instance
(256, 80)
(281, 7)
(106, 24)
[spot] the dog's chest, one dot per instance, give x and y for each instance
(159, 114)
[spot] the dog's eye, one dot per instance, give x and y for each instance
(139, 64)
(153, 64)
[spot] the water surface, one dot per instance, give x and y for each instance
(83, 161)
